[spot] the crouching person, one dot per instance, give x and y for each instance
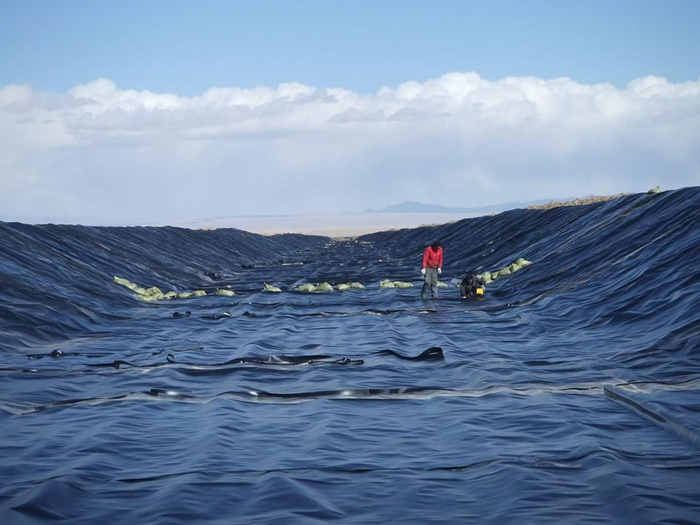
(471, 285)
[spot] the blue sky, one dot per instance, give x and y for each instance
(169, 111)
(185, 47)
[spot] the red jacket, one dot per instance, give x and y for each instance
(432, 258)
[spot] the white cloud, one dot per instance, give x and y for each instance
(458, 140)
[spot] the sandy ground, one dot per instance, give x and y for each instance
(575, 202)
(354, 224)
(331, 225)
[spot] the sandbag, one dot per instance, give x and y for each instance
(146, 298)
(503, 272)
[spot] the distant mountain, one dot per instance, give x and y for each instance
(419, 207)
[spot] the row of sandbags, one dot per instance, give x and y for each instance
(153, 294)
(518, 264)
(322, 287)
(325, 287)
(387, 283)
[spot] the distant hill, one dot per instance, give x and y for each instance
(419, 207)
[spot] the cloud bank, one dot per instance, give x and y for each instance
(459, 140)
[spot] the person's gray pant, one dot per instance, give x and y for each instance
(431, 280)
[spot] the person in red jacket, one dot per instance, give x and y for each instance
(432, 267)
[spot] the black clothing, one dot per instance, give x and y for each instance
(469, 285)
